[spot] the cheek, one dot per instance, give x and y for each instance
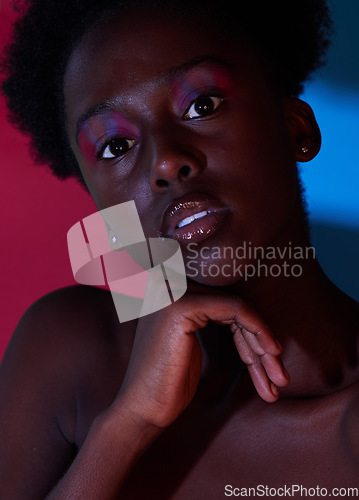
(255, 171)
(260, 151)
(268, 193)
(101, 190)
(108, 183)
(109, 188)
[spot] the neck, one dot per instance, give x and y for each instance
(316, 323)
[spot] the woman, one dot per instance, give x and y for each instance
(192, 113)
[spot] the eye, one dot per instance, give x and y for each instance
(115, 148)
(203, 106)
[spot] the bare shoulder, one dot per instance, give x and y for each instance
(64, 365)
(65, 343)
(63, 321)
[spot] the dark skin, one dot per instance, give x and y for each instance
(162, 407)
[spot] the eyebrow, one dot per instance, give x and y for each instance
(174, 72)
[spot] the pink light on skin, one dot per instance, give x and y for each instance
(199, 81)
(99, 129)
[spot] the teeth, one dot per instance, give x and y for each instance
(186, 221)
(190, 219)
(201, 214)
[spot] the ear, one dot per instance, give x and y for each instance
(303, 128)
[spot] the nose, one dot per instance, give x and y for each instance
(174, 160)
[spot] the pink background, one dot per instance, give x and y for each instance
(36, 212)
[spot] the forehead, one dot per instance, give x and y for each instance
(136, 50)
(146, 35)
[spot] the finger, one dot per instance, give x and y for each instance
(265, 388)
(252, 341)
(275, 370)
(246, 317)
(234, 310)
(272, 364)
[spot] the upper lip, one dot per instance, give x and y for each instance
(187, 206)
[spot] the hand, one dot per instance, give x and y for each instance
(165, 364)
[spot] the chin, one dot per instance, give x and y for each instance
(211, 275)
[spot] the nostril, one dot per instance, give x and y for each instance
(185, 171)
(162, 183)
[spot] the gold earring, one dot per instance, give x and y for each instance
(305, 150)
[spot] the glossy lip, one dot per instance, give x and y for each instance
(199, 229)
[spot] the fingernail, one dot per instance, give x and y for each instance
(274, 389)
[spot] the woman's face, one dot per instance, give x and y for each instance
(166, 112)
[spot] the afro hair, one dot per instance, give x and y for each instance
(291, 36)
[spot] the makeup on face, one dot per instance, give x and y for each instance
(203, 80)
(100, 130)
(210, 81)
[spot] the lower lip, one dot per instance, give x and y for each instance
(200, 229)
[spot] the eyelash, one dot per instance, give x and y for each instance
(216, 100)
(100, 154)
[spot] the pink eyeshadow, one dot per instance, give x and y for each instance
(200, 79)
(100, 129)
